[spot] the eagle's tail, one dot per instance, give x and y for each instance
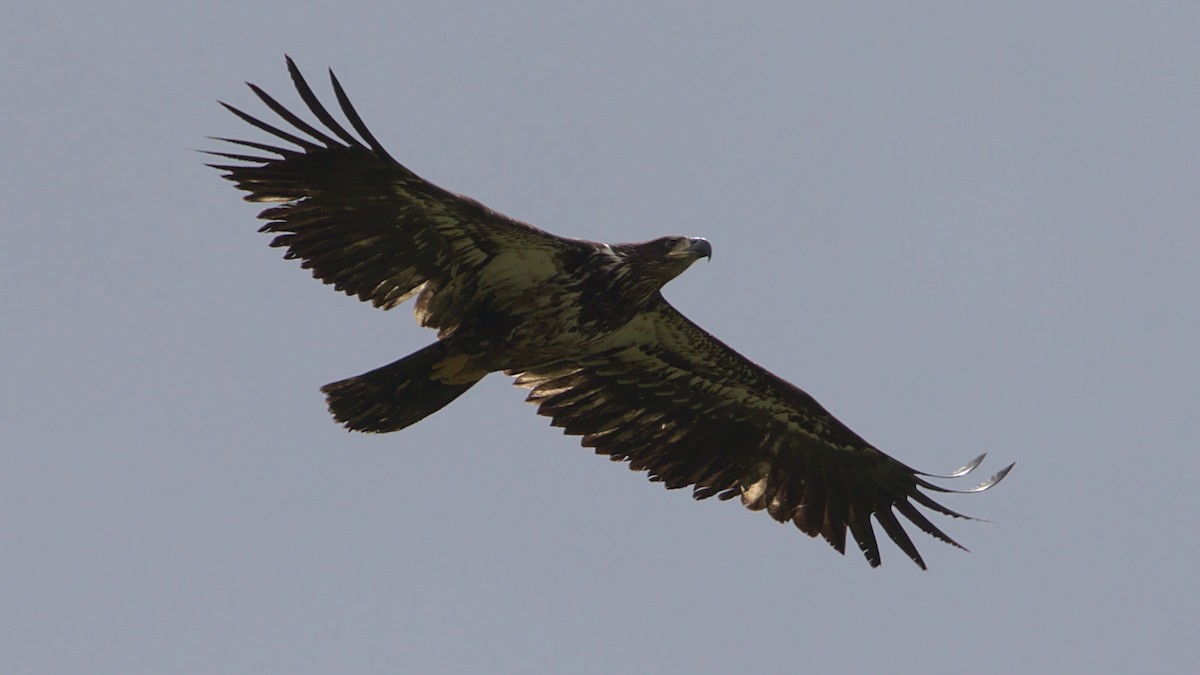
(403, 392)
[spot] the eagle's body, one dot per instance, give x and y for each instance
(583, 325)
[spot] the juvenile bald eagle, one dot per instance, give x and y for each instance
(582, 325)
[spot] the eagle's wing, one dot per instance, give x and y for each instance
(363, 222)
(675, 401)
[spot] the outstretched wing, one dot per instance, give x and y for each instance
(674, 401)
(363, 222)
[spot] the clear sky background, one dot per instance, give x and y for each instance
(963, 227)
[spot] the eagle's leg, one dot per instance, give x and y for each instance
(403, 392)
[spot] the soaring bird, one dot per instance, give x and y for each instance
(582, 325)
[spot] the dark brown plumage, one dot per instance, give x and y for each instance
(582, 325)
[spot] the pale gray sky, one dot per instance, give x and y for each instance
(962, 229)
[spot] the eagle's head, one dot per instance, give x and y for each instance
(653, 263)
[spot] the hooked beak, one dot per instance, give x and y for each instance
(700, 248)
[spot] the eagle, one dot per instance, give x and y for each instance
(582, 325)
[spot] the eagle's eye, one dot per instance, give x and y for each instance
(672, 243)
